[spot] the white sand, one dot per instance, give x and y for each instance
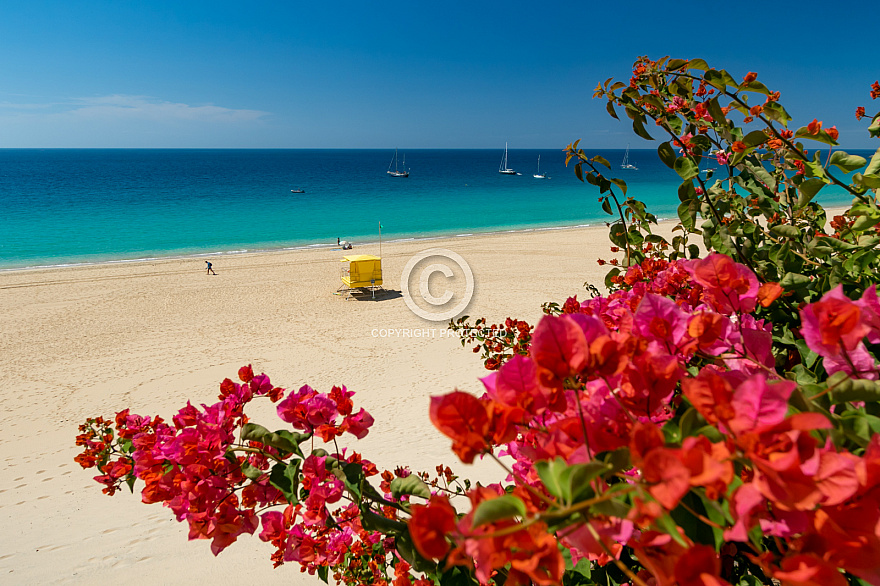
(88, 341)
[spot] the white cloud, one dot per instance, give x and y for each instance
(121, 120)
(147, 108)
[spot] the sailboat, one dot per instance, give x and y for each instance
(626, 164)
(540, 175)
(503, 168)
(397, 172)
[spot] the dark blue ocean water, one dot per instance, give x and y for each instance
(73, 206)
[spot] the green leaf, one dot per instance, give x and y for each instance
(777, 113)
(794, 281)
(869, 181)
(373, 522)
(601, 160)
(324, 573)
(874, 165)
(576, 479)
(285, 477)
(250, 471)
(676, 64)
(856, 390)
(755, 138)
(846, 162)
(621, 184)
(282, 439)
(761, 174)
(719, 79)
(548, 472)
(786, 230)
(686, 168)
(699, 64)
(412, 484)
(715, 111)
(498, 509)
(618, 460)
(808, 189)
(609, 107)
(755, 86)
(862, 223)
(666, 154)
(639, 128)
(839, 245)
(874, 128)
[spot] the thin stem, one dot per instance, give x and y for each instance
(257, 451)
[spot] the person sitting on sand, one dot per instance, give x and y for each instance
(344, 244)
(210, 270)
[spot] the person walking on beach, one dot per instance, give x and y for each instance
(210, 270)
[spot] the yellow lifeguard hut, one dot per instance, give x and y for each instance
(362, 275)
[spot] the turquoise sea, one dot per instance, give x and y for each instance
(70, 206)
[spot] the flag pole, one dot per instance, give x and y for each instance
(380, 238)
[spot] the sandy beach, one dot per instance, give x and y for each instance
(86, 341)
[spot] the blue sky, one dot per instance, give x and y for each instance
(268, 74)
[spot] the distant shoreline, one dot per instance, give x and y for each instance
(831, 211)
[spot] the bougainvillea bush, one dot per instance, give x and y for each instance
(711, 419)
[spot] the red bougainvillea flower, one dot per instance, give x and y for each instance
(430, 524)
(730, 286)
(749, 78)
(722, 157)
(860, 112)
(463, 418)
(738, 146)
(246, 373)
(699, 566)
(807, 570)
(833, 133)
(875, 90)
(833, 324)
(814, 127)
(768, 293)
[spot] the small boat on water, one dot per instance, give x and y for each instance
(503, 169)
(297, 191)
(626, 163)
(397, 172)
(540, 175)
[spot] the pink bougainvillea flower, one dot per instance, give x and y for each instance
(359, 424)
(659, 319)
(758, 402)
(858, 363)
(559, 349)
(870, 306)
